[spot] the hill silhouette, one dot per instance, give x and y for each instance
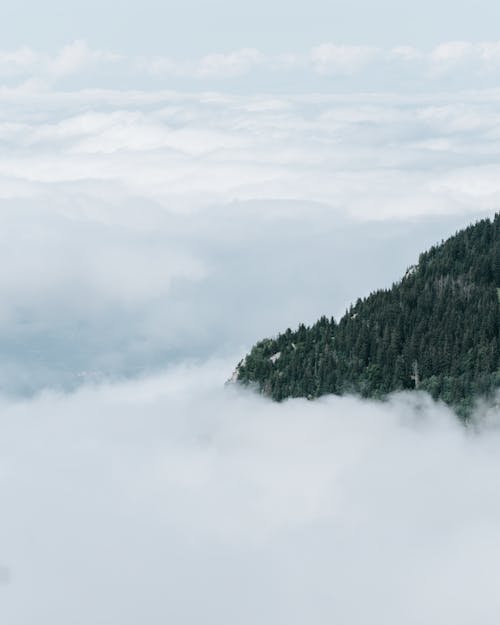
(437, 330)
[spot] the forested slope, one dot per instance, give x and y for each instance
(437, 330)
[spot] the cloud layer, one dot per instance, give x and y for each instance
(172, 499)
(372, 156)
(141, 227)
(173, 222)
(449, 64)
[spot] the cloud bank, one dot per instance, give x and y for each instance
(143, 227)
(173, 499)
(448, 64)
(178, 223)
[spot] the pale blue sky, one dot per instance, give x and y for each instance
(194, 27)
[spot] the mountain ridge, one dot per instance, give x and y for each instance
(437, 329)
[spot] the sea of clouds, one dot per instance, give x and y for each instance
(449, 64)
(139, 228)
(148, 238)
(174, 499)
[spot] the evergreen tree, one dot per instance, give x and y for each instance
(443, 315)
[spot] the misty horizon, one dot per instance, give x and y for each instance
(178, 182)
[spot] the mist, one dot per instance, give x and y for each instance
(87, 299)
(142, 228)
(176, 499)
(164, 204)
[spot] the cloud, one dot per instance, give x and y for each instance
(76, 57)
(460, 64)
(158, 66)
(465, 56)
(452, 51)
(104, 286)
(212, 66)
(72, 59)
(490, 52)
(451, 57)
(407, 53)
(202, 149)
(17, 61)
(145, 227)
(229, 65)
(329, 58)
(139, 497)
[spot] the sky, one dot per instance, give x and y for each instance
(195, 27)
(176, 183)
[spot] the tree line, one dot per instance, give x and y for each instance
(437, 329)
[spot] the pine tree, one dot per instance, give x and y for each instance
(444, 315)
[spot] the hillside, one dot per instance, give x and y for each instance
(437, 330)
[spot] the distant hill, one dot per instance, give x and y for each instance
(437, 329)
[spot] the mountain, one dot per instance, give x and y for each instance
(437, 330)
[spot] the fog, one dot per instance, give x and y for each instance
(154, 223)
(142, 228)
(84, 300)
(176, 499)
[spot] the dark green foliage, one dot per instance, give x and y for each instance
(438, 329)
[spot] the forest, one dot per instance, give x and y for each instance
(436, 330)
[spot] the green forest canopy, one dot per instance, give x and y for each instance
(437, 330)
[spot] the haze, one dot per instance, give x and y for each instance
(175, 184)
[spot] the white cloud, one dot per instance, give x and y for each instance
(163, 66)
(407, 53)
(490, 52)
(18, 61)
(141, 223)
(212, 66)
(465, 56)
(76, 57)
(138, 497)
(452, 52)
(329, 58)
(147, 227)
(452, 57)
(229, 65)
(72, 59)
(461, 63)
(197, 150)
